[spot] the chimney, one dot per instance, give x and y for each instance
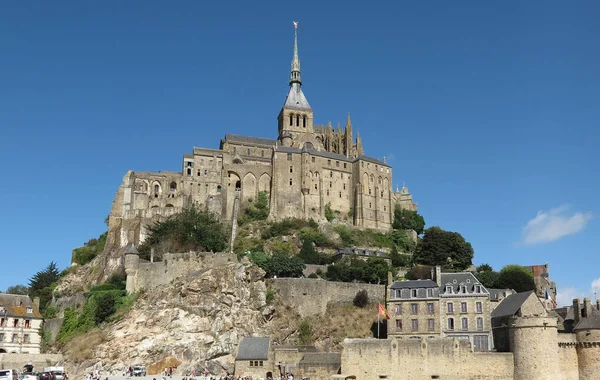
(438, 275)
(36, 302)
(576, 311)
(587, 308)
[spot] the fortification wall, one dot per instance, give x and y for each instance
(534, 343)
(311, 296)
(440, 358)
(39, 361)
(567, 356)
(588, 352)
(175, 265)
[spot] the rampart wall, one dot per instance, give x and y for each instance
(567, 355)
(312, 296)
(439, 358)
(39, 361)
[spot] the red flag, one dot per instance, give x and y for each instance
(383, 312)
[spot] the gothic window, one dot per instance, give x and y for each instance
(372, 178)
(173, 187)
(331, 174)
(369, 204)
(198, 173)
(337, 164)
(304, 121)
(342, 175)
(218, 188)
(369, 191)
(205, 172)
(291, 120)
(189, 171)
(330, 184)
(384, 208)
(344, 165)
(297, 120)
(381, 194)
(340, 194)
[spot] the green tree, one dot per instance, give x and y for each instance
(399, 260)
(488, 279)
(18, 289)
(191, 230)
(90, 249)
(516, 277)
(329, 213)
(445, 248)
(361, 299)
(308, 254)
(408, 220)
(41, 284)
(284, 265)
(402, 241)
(258, 210)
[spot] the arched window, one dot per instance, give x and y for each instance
(238, 185)
(173, 186)
(218, 188)
(297, 120)
(291, 120)
(304, 121)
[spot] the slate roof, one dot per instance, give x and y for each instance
(16, 306)
(589, 322)
(511, 304)
(296, 99)
(334, 358)
(249, 139)
(457, 279)
(131, 250)
(289, 149)
(373, 160)
(253, 348)
(495, 293)
(413, 284)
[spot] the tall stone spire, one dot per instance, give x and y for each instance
(295, 74)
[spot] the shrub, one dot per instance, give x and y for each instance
(270, 296)
(329, 214)
(305, 333)
(361, 299)
(90, 250)
(313, 275)
(286, 227)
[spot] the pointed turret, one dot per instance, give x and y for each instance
(359, 147)
(296, 115)
(348, 133)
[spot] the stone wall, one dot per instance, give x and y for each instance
(174, 265)
(567, 356)
(39, 361)
(438, 358)
(311, 296)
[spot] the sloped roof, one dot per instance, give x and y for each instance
(16, 306)
(589, 322)
(249, 139)
(460, 278)
(371, 159)
(511, 304)
(296, 99)
(413, 284)
(334, 358)
(253, 348)
(495, 293)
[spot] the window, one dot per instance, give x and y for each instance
(449, 289)
(413, 292)
(463, 307)
(29, 310)
(205, 173)
(398, 325)
(26, 338)
(398, 308)
(260, 363)
(16, 322)
(431, 324)
(479, 323)
(344, 165)
(198, 172)
(415, 324)
(234, 150)
(289, 156)
(477, 288)
(344, 186)
(430, 308)
(450, 323)
(328, 162)
(369, 191)
(480, 343)
(384, 208)
(290, 182)
(262, 153)
(297, 120)
(189, 171)
(316, 187)
(2, 322)
(430, 290)
(218, 188)
(450, 307)
(291, 120)
(479, 307)
(248, 151)
(27, 323)
(14, 338)
(1, 337)
(342, 175)
(463, 289)
(340, 194)
(330, 184)
(291, 169)
(414, 308)
(369, 204)
(337, 164)
(465, 323)
(331, 174)
(312, 159)
(251, 363)
(327, 192)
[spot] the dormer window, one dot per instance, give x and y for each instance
(463, 289)
(413, 293)
(477, 288)
(29, 310)
(449, 289)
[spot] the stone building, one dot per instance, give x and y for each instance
(20, 321)
(257, 357)
(544, 287)
(305, 169)
(454, 305)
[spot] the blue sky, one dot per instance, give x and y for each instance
(487, 111)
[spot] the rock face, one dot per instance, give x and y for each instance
(199, 319)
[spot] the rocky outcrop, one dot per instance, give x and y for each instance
(199, 319)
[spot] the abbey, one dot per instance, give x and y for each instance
(305, 170)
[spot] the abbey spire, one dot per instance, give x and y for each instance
(295, 73)
(296, 98)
